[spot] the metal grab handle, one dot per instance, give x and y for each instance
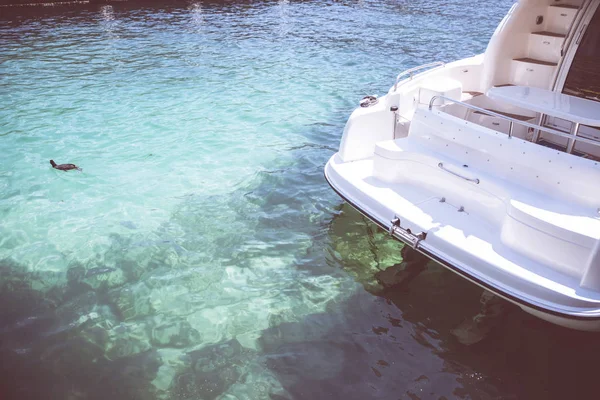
(415, 69)
(476, 180)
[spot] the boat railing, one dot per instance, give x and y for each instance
(513, 121)
(411, 72)
(570, 37)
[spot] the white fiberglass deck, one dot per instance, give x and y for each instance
(521, 232)
(461, 238)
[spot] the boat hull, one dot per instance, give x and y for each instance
(583, 320)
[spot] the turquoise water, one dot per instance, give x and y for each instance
(200, 253)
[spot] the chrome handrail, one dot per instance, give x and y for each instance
(513, 120)
(569, 37)
(413, 70)
(578, 15)
(475, 180)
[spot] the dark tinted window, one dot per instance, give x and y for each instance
(584, 76)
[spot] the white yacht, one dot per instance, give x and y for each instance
(491, 165)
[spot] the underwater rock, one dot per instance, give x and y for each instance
(174, 362)
(174, 334)
(309, 328)
(215, 369)
(17, 296)
(132, 301)
(104, 277)
(164, 297)
(128, 224)
(164, 379)
(131, 269)
(131, 377)
(63, 340)
(257, 382)
(127, 339)
(399, 275)
(83, 304)
(75, 273)
(217, 356)
(184, 386)
(413, 263)
(75, 286)
(126, 345)
(96, 335)
(68, 356)
(361, 248)
(493, 309)
(22, 333)
(307, 361)
(279, 317)
(73, 290)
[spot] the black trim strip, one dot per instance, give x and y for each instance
(464, 274)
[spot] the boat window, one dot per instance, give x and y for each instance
(584, 76)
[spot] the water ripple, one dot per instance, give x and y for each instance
(200, 253)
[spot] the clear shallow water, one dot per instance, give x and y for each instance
(200, 254)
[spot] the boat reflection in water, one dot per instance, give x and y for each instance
(518, 354)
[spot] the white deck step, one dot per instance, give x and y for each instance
(545, 46)
(559, 17)
(531, 72)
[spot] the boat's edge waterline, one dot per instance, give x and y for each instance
(579, 321)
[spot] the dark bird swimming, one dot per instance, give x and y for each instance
(64, 167)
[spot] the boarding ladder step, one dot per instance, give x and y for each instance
(469, 95)
(560, 17)
(534, 61)
(549, 34)
(527, 71)
(571, 6)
